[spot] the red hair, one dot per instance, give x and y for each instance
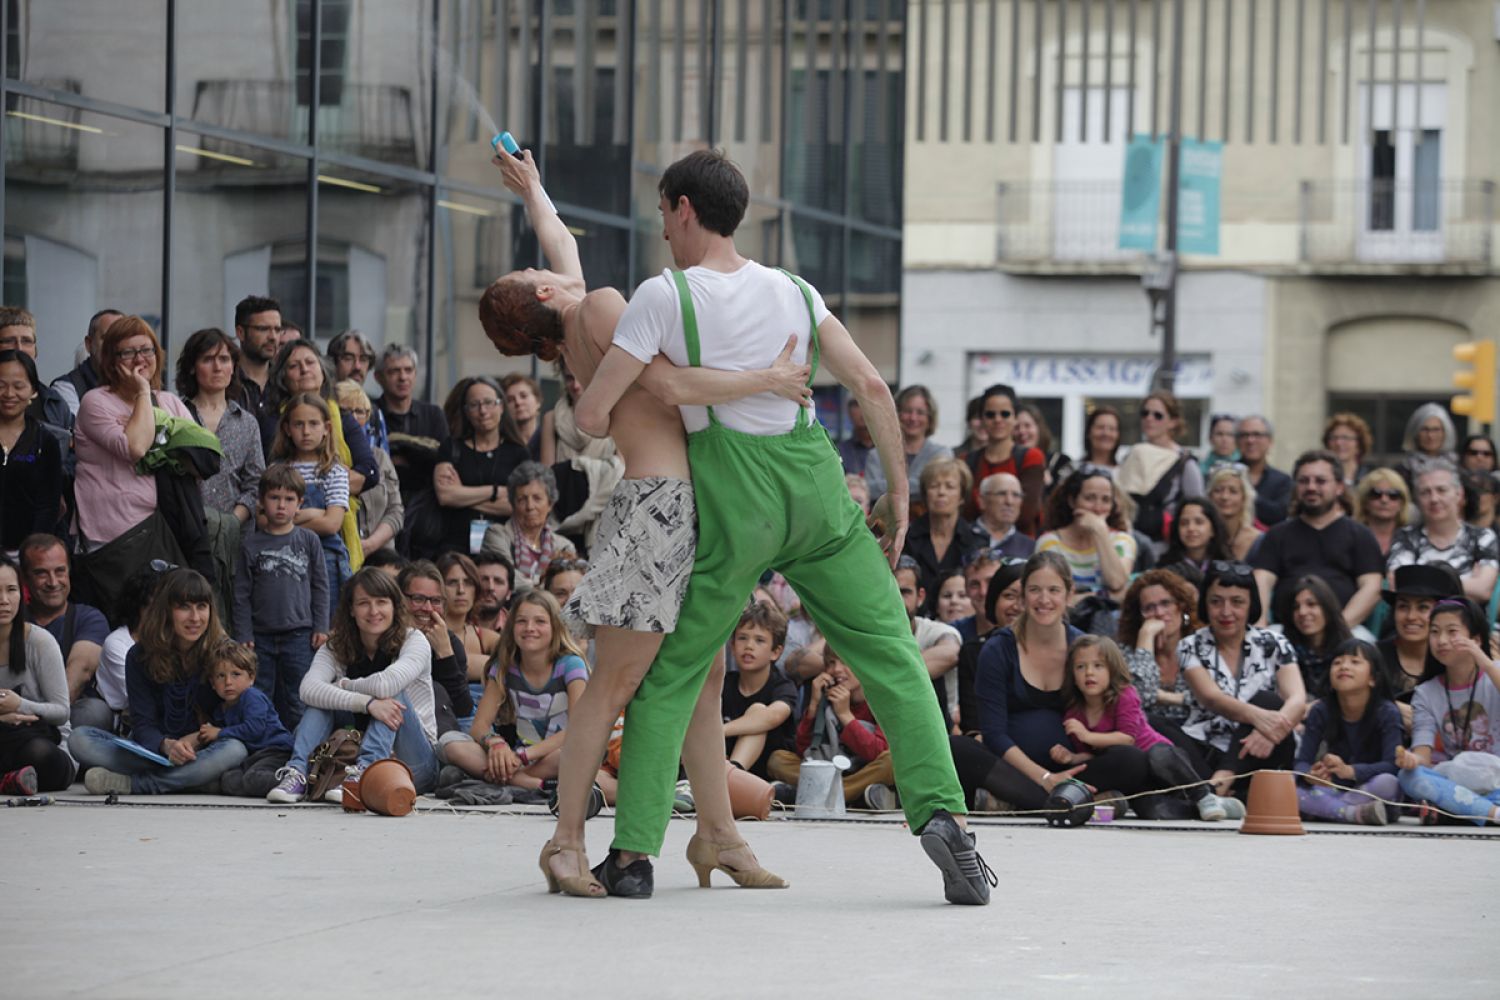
(517, 323)
(120, 331)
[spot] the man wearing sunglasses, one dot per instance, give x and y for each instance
(1320, 541)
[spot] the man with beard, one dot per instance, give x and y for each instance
(257, 323)
(1320, 540)
(495, 572)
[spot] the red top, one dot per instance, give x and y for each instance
(865, 742)
(1124, 716)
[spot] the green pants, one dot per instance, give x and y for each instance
(781, 502)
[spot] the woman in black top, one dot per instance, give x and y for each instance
(475, 462)
(940, 541)
(30, 458)
(1314, 624)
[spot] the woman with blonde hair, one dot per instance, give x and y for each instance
(1382, 503)
(381, 512)
(1233, 496)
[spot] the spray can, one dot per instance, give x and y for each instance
(507, 142)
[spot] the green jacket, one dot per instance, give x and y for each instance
(182, 446)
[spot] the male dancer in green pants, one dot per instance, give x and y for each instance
(771, 494)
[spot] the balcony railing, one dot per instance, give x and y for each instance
(1060, 221)
(41, 138)
(376, 121)
(1352, 222)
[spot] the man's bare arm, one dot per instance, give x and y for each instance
(559, 246)
(842, 357)
(712, 386)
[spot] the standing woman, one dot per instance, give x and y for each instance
(1247, 688)
(1089, 534)
(1382, 503)
(1001, 453)
(114, 430)
(1429, 434)
(1232, 495)
(1101, 437)
(1160, 475)
(1348, 438)
(31, 476)
(34, 706)
(1198, 535)
(475, 462)
(917, 411)
(209, 382)
(940, 540)
(1314, 625)
(1158, 609)
(1019, 688)
(168, 700)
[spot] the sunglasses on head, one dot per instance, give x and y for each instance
(1230, 572)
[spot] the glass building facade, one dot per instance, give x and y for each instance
(167, 157)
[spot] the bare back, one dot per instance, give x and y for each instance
(647, 432)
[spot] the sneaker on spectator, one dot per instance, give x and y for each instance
(1233, 807)
(291, 788)
(336, 793)
(880, 798)
(21, 781)
(985, 802)
(1371, 814)
(682, 802)
(451, 775)
(101, 782)
(1211, 809)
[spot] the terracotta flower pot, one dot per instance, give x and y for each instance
(1272, 806)
(387, 788)
(749, 796)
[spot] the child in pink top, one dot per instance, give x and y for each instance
(1104, 710)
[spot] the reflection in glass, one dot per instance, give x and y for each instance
(83, 204)
(109, 51)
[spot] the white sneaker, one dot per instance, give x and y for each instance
(1211, 809)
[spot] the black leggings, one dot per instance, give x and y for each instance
(1206, 758)
(36, 744)
(1118, 769)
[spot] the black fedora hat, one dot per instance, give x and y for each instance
(1437, 581)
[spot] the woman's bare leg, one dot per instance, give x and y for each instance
(703, 756)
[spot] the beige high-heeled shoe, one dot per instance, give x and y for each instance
(704, 856)
(585, 886)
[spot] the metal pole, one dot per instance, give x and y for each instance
(315, 97)
(1166, 376)
(434, 163)
(169, 176)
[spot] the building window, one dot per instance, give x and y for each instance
(335, 48)
(287, 284)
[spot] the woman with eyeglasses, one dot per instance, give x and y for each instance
(476, 461)
(1089, 533)
(918, 414)
(1348, 438)
(114, 430)
(1223, 446)
(1246, 685)
(1478, 454)
(1444, 537)
(1232, 495)
(1157, 609)
(1429, 434)
(1382, 503)
(1160, 472)
(1313, 622)
(1001, 453)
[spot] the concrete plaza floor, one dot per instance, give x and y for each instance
(188, 897)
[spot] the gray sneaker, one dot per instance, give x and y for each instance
(101, 782)
(880, 798)
(966, 878)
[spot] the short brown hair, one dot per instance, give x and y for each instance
(712, 184)
(516, 322)
(1355, 423)
(280, 476)
(233, 653)
(120, 331)
(16, 316)
(947, 467)
(759, 614)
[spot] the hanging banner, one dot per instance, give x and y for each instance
(1198, 176)
(1140, 194)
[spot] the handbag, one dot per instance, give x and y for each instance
(100, 575)
(329, 763)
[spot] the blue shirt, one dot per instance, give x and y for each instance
(253, 721)
(1013, 713)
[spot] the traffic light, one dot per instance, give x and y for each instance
(1478, 404)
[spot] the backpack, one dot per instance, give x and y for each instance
(1151, 508)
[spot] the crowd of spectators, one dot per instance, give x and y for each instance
(201, 589)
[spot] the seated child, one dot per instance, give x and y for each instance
(281, 592)
(522, 718)
(848, 727)
(758, 700)
(1349, 738)
(244, 713)
(1104, 711)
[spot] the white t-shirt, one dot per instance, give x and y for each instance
(929, 633)
(111, 674)
(744, 320)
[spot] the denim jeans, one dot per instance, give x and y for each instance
(1424, 784)
(93, 748)
(408, 743)
(282, 659)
